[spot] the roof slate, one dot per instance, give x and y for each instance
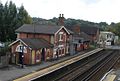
(83, 36)
(37, 43)
(89, 30)
(44, 29)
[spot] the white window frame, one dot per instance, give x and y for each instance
(64, 51)
(61, 46)
(65, 37)
(60, 36)
(19, 50)
(67, 48)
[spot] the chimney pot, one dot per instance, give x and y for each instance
(62, 15)
(61, 19)
(59, 15)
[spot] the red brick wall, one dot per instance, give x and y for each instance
(62, 42)
(49, 54)
(44, 36)
(95, 36)
(30, 35)
(78, 47)
(22, 35)
(26, 55)
(61, 20)
(64, 37)
(13, 47)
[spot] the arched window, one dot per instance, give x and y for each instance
(48, 52)
(21, 48)
(38, 56)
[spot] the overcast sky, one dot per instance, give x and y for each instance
(91, 10)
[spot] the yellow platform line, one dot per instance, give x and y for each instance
(110, 78)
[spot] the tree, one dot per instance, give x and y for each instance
(23, 17)
(11, 18)
(1, 21)
(103, 25)
(11, 21)
(117, 29)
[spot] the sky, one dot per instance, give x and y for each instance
(90, 10)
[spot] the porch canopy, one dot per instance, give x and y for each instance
(34, 43)
(37, 43)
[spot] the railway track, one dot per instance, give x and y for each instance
(104, 67)
(73, 71)
(92, 71)
(80, 71)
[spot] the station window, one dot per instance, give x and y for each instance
(59, 52)
(38, 56)
(62, 51)
(48, 53)
(60, 36)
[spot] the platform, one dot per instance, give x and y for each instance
(113, 75)
(113, 47)
(56, 66)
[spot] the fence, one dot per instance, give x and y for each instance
(4, 61)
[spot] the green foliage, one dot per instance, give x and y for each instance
(71, 22)
(92, 46)
(115, 28)
(23, 16)
(5, 49)
(11, 18)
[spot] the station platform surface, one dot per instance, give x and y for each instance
(113, 47)
(29, 72)
(113, 75)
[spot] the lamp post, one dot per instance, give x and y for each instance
(22, 61)
(22, 55)
(57, 53)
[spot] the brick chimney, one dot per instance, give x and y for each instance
(61, 20)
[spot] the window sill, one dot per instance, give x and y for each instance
(60, 40)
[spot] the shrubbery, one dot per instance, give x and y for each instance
(5, 49)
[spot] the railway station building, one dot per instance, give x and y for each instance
(39, 43)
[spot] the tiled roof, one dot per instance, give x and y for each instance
(70, 31)
(85, 36)
(36, 43)
(44, 29)
(82, 36)
(89, 30)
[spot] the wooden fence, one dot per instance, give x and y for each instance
(4, 61)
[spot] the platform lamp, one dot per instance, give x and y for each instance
(22, 56)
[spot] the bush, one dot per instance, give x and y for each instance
(92, 46)
(4, 50)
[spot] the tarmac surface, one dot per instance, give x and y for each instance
(112, 47)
